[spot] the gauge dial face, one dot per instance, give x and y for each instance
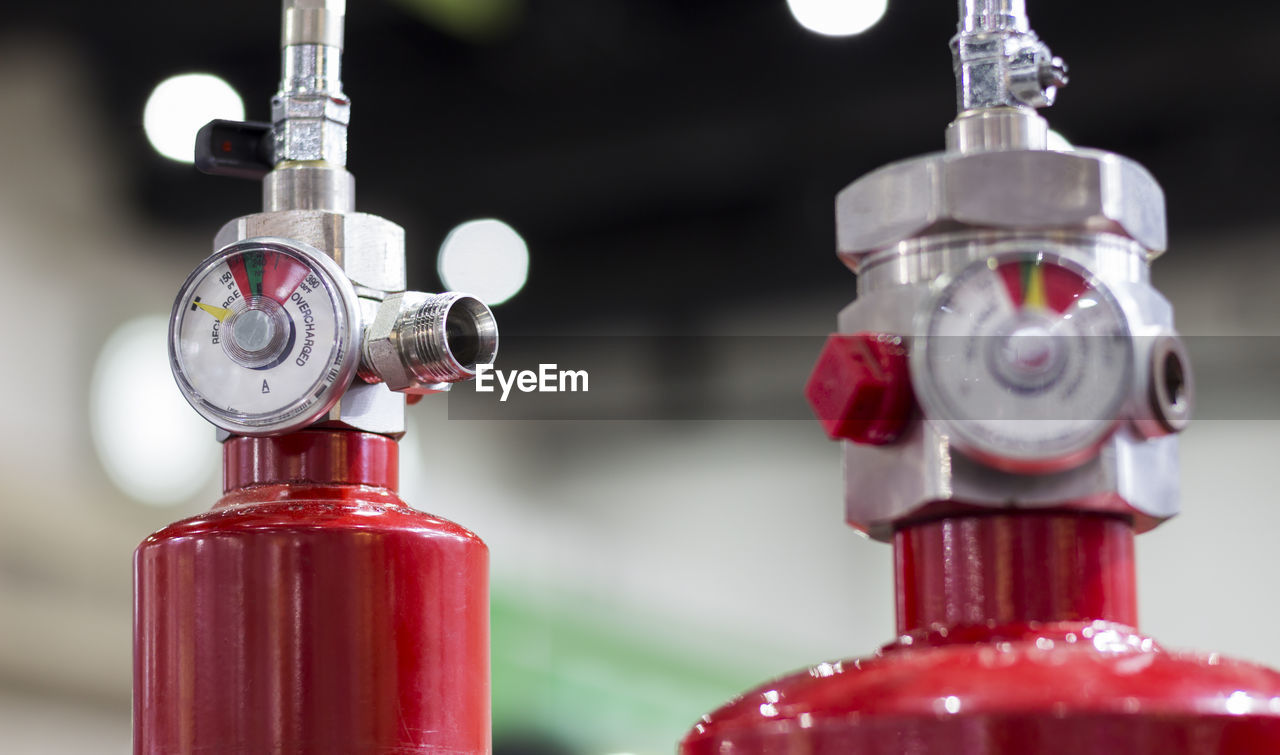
(262, 336)
(1025, 362)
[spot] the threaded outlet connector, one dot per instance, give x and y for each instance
(419, 343)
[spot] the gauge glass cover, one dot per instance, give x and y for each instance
(263, 336)
(1025, 362)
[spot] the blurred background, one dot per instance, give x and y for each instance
(640, 167)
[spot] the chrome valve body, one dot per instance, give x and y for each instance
(1061, 381)
(309, 201)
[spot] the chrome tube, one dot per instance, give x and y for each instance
(310, 113)
(993, 15)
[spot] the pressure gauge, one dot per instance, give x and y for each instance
(263, 338)
(1025, 362)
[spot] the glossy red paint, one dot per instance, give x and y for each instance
(315, 457)
(311, 611)
(1015, 637)
(1012, 569)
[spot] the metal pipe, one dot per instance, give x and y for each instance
(311, 37)
(418, 342)
(993, 15)
(1003, 72)
(313, 22)
(310, 113)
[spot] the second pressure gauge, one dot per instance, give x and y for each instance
(263, 338)
(1025, 362)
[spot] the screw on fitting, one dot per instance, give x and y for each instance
(448, 336)
(419, 343)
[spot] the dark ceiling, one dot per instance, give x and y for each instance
(677, 155)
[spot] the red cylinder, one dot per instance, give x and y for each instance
(1010, 569)
(311, 611)
(1016, 636)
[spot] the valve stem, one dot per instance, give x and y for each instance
(310, 113)
(1003, 73)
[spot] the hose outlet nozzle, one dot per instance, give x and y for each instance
(420, 343)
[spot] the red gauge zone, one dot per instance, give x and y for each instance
(266, 273)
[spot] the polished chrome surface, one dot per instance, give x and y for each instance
(306, 186)
(993, 15)
(311, 69)
(922, 260)
(1134, 470)
(315, 22)
(368, 248)
(310, 112)
(419, 343)
(997, 128)
(310, 197)
(1012, 191)
(1000, 62)
(909, 227)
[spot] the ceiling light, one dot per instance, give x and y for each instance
(484, 258)
(837, 18)
(181, 105)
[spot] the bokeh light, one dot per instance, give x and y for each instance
(153, 446)
(181, 105)
(837, 18)
(484, 258)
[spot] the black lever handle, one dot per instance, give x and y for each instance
(234, 148)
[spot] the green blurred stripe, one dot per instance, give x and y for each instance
(609, 680)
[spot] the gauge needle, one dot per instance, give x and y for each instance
(1033, 284)
(217, 312)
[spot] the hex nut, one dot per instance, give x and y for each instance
(420, 343)
(310, 127)
(1082, 190)
(380, 354)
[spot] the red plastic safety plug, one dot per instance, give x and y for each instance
(860, 388)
